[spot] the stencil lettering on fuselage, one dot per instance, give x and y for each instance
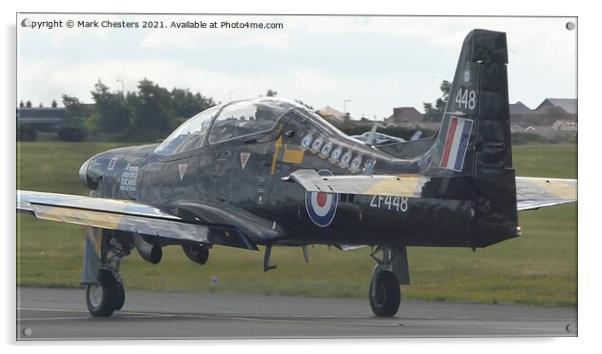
(128, 179)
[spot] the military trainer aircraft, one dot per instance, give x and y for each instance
(269, 172)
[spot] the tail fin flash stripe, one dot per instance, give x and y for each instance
(456, 143)
(449, 138)
(463, 144)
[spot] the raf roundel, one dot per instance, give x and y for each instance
(321, 207)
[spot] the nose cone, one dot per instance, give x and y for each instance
(84, 177)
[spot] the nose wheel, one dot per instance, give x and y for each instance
(105, 296)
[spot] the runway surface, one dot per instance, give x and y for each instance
(53, 314)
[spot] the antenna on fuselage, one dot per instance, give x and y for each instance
(372, 135)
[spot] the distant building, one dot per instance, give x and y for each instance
(519, 108)
(565, 125)
(551, 110)
(333, 114)
(568, 105)
(404, 116)
(41, 117)
(429, 126)
(368, 120)
(520, 115)
(547, 112)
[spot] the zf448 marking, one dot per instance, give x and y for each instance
(399, 204)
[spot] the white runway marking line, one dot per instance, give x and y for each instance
(50, 310)
(122, 314)
(495, 325)
(206, 316)
(51, 319)
(292, 320)
(276, 318)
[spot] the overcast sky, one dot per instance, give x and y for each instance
(375, 62)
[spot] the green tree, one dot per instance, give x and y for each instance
(151, 107)
(75, 111)
(271, 93)
(113, 114)
(185, 104)
(436, 113)
(72, 127)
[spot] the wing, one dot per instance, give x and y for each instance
(535, 193)
(399, 186)
(531, 192)
(128, 216)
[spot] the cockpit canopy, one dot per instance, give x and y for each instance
(226, 122)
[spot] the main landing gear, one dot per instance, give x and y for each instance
(385, 293)
(107, 294)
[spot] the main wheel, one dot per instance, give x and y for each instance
(385, 294)
(98, 300)
(118, 295)
(106, 296)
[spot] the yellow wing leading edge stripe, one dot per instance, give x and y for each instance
(405, 186)
(77, 216)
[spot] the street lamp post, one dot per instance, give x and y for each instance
(122, 87)
(345, 105)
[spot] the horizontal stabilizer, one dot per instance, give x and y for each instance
(534, 193)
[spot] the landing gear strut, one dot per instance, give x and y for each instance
(107, 294)
(385, 294)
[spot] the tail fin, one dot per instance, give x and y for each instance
(474, 138)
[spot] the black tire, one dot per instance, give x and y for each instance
(98, 299)
(118, 294)
(106, 296)
(385, 294)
